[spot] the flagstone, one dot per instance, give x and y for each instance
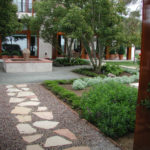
(66, 133)
(21, 85)
(29, 103)
(9, 86)
(34, 147)
(24, 118)
(25, 89)
(16, 100)
(11, 94)
(25, 94)
(32, 138)
(78, 148)
(21, 110)
(42, 108)
(34, 99)
(45, 124)
(25, 129)
(13, 90)
(56, 141)
(44, 115)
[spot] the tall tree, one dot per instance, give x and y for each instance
(8, 19)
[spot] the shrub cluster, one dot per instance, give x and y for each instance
(111, 107)
(65, 62)
(85, 82)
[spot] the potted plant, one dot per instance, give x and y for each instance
(121, 52)
(5, 54)
(16, 54)
(112, 54)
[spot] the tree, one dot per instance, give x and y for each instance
(8, 19)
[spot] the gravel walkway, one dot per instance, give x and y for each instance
(32, 118)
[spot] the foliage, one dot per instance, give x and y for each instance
(66, 62)
(124, 63)
(97, 80)
(66, 95)
(113, 51)
(17, 53)
(5, 53)
(79, 84)
(111, 107)
(8, 19)
(121, 50)
(114, 69)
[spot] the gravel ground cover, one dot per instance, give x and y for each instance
(12, 139)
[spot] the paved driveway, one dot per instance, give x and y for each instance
(57, 73)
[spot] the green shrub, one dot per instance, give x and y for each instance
(111, 107)
(79, 84)
(114, 69)
(65, 62)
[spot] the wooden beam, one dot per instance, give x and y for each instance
(142, 130)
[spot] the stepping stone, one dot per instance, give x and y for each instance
(78, 148)
(21, 110)
(13, 90)
(32, 138)
(25, 94)
(56, 141)
(29, 103)
(24, 118)
(45, 124)
(66, 133)
(25, 129)
(21, 85)
(11, 94)
(25, 89)
(34, 147)
(44, 115)
(34, 99)
(9, 86)
(42, 108)
(16, 100)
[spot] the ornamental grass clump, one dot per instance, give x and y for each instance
(111, 107)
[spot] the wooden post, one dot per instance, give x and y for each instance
(142, 130)
(129, 50)
(0, 45)
(27, 5)
(107, 53)
(32, 8)
(83, 55)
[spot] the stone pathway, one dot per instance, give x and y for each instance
(42, 122)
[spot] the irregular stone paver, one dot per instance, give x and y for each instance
(24, 94)
(44, 115)
(66, 133)
(13, 90)
(9, 86)
(45, 124)
(34, 147)
(25, 89)
(42, 108)
(21, 85)
(136, 85)
(29, 103)
(24, 118)
(21, 110)
(25, 129)
(34, 99)
(56, 141)
(32, 138)
(78, 148)
(11, 94)
(16, 100)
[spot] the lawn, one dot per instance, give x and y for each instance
(124, 63)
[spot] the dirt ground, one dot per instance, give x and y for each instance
(126, 142)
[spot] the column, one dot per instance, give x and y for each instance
(142, 130)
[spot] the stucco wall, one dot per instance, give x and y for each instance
(44, 48)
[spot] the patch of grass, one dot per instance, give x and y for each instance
(125, 63)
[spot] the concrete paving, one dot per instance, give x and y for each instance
(56, 74)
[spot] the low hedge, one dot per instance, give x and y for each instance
(67, 96)
(73, 62)
(109, 106)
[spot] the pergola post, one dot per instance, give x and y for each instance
(142, 130)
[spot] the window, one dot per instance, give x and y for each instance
(33, 45)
